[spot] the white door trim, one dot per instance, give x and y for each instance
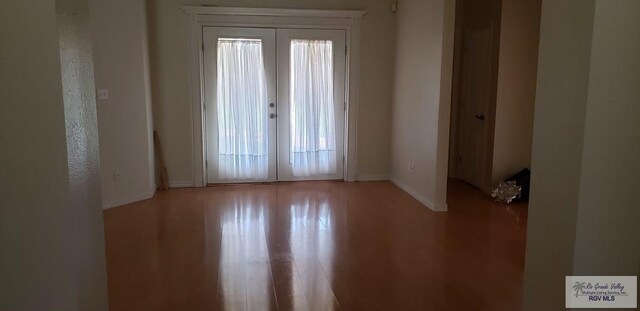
(202, 16)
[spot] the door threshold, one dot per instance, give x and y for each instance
(273, 182)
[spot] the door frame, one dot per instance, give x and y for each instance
(205, 16)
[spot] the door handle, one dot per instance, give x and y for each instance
(272, 116)
(271, 105)
(480, 117)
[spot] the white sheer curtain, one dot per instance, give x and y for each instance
(242, 110)
(313, 137)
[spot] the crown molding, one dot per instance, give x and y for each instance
(216, 10)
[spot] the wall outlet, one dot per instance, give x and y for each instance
(102, 94)
(412, 168)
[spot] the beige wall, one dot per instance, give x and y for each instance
(583, 211)
(422, 89)
(170, 77)
(515, 100)
(607, 231)
(563, 77)
(124, 120)
(51, 232)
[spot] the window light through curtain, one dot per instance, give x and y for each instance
(313, 137)
(242, 110)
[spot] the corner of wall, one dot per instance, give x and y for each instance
(444, 110)
(428, 202)
(130, 199)
(181, 184)
(374, 177)
(125, 117)
(421, 110)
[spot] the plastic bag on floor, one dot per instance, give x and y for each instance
(522, 178)
(506, 191)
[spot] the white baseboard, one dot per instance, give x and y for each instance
(373, 177)
(180, 184)
(426, 202)
(443, 207)
(135, 198)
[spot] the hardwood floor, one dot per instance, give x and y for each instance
(314, 246)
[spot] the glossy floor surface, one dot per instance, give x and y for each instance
(314, 246)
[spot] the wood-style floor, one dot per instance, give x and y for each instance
(314, 246)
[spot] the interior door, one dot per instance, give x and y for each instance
(311, 103)
(473, 139)
(240, 95)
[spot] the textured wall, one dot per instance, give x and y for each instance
(51, 246)
(74, 35)
(33, 157)
(171, 92)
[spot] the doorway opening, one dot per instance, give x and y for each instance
(493, 92)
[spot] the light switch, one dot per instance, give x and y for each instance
(103, 94)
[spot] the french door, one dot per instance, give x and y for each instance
(240, 95)
(274, 109)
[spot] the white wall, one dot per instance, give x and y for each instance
(516, 88)
(170, 76)
(51, 232)
(422, 90)
(583, 211)
(125, 119)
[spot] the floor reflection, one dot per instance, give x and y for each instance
(314, 246)
(312, 250)
(245, 276)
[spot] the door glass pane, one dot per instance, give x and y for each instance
(241, 98)
(313, 139)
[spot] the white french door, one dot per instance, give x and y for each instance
(239, 86)
(273, 110)
(311, 80)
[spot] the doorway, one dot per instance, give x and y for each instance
(493, 95)
(473, 104)
(274, 108)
